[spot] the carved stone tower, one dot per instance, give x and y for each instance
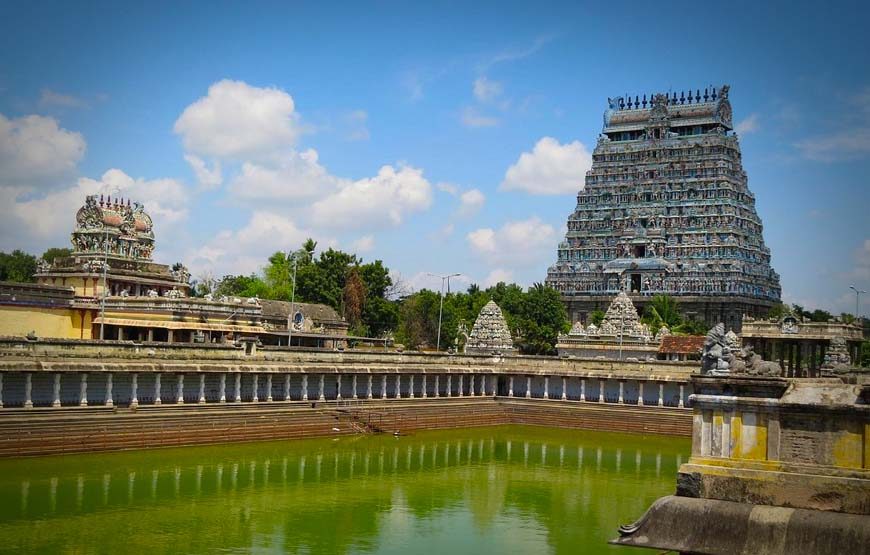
(666, 208)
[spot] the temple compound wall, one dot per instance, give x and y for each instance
(54, 380)
(666, 209)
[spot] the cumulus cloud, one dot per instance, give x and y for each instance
(47, 220)
(549, 169)
(498, 275)
(296, 175)
(209, 178)
(244, 250)
(472, 118)
(364, 244)
(486, 90)
(35, 148)
(748, 125)
(515, 244)
(470, 202)
(374, 202)
(236, 120)
(356, 122)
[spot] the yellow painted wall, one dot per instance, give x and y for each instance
(46, 322)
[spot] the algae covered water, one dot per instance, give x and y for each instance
(486, 490)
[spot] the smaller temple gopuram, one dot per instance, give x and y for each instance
(110, 288)
(490, 333)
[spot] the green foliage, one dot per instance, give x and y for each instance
(17, 266)
(692, 327)
(241, 286)
(778, 311)
(865, 354)
(662, 310)
(820, 316)
(596, 317)
(56, 252)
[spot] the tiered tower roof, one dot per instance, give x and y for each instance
(490, 332)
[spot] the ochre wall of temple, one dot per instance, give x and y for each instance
(45, 322)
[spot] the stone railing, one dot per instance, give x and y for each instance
(103, 373)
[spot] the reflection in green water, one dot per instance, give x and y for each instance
(487, 490)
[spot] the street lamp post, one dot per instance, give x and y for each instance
(858, 293)
(441, 306)
(292, 303)
(105, 268)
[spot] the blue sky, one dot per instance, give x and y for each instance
(440, 138)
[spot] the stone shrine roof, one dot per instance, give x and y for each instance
(490, 332)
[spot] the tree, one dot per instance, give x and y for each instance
(819, 315)
(17, 266)
(662, 310)
(777, 311)
(540, 321)
(596, 317)
(241, 286)
(54, 253)
(354, 297)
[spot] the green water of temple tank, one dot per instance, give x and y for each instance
(523, 490)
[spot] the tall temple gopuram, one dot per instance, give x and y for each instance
(666, 209)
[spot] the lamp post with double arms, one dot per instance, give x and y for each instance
(441, 304)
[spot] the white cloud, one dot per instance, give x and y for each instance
(295, 175)
(516, 244)
(48, 220)
(748, 125)
(472, 118)
(497, 276)
(356, 123)
(208, 178)
(49, 98)
(852, 143)
(245, 250)
(448, 188)
(364, 244)
(470, 202)
(486, 90)
(236, 120)
(550, 169)
(374, 202)
(34, 149)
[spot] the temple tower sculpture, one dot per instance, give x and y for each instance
(666, 209)
(490, 332)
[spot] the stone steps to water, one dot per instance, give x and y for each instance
(76, 430)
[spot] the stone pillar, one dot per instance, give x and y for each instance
(398, 394)
(546, 387)
(640, 392)
(269, 398)
(157, 400)
(179, 393)
(28, 386)
(304, 387)
(56, 394)
(369, 387)
(134, 391)
(222, 388)
(353, 387)
(528, 387)
(83, 390)
(471, 385)
(583, 389)
(109, 401)
(287, 387)
(661, 402)
(320, 395)
(255, 398)
(170, 336)
(120, 333)
(201, 399)
(564, 388)
(494, 385)
(383, 386)
(510, 386)
(150, 335)
(338, 388)
(437, 385)
(461, 385)
(237, 394)
(682, 391)
(600, 391)
(449, 385)
(424, 395)
(1, 390)
(411, 387)
(621, 399)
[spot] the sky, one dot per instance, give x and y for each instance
(438, 137)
